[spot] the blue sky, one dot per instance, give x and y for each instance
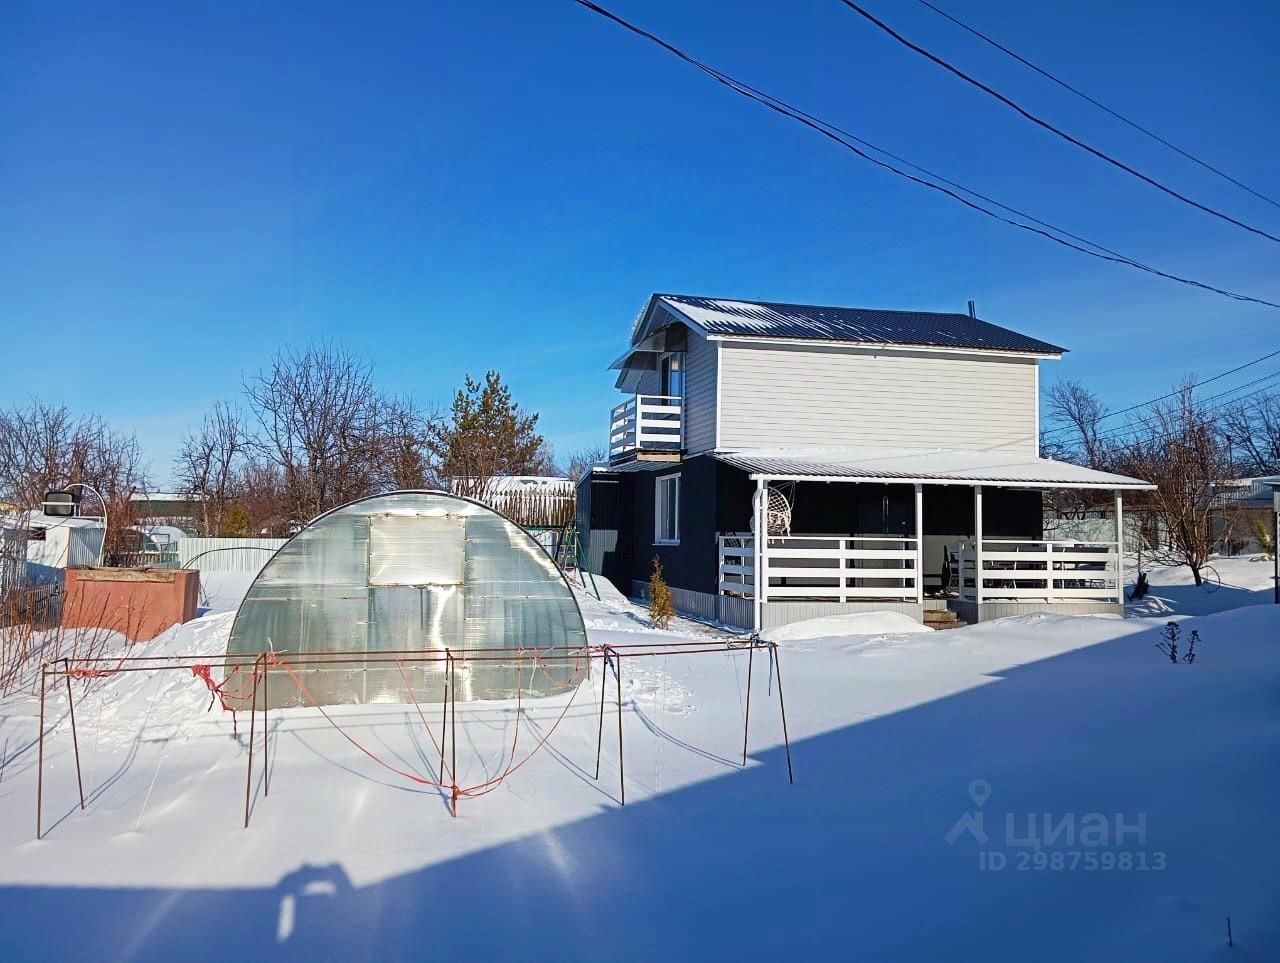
(448, 187)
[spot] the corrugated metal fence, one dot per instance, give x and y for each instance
(226, 554)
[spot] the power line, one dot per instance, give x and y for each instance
(1101, 106)
(1172, 394)
(844, 138)
(1050, 127)
(1140, 426)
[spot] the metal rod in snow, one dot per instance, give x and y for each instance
(75, 742)
(444, 721)
(451, 668)
(266, 731)
(40, 756)
(622, 778)
(746, 716)
(782, 707)
(604, 687)
(253, 718)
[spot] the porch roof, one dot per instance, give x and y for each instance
(935, 466)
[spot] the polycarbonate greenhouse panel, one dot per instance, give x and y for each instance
(407, 572)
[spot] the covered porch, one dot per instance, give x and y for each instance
(913, 532)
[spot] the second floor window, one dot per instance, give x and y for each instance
(671, 375)
(666, 503)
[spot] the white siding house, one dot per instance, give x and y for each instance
(816, 394)
(891, 456)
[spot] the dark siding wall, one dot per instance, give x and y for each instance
(692, 563)
(734, 490)
(604, 520)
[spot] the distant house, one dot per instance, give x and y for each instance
(891, 457)
(35, 549)
(1242, 511)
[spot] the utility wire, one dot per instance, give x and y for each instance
(1171, 394)
(844, 139)
(1097, 103)
(1050, 127)
(1146, 425)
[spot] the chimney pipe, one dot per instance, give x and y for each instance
(972, 310)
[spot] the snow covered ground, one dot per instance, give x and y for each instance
(1229, 583)
(919, 757)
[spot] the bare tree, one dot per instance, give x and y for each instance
(485, 435)
(404, 459)
(264, 501)
(1177, 446)
(209, 462)
(1254, 430)
(319, 419)
(44, 447)
(580, 461)
(1078, 411)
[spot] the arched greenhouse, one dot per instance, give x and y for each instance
(408, 572)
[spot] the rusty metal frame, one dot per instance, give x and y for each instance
(610, 655)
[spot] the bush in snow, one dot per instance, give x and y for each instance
(661, 611)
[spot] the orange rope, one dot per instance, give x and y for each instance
(456, 791)
(422, 715)
(79, 673)
(302, 687)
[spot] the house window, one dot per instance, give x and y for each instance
(671, 375)
(667, 510)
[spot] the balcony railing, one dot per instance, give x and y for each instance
(645, 423)
(1017, 570)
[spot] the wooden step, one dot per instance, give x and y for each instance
(942, 619)
(940, 615)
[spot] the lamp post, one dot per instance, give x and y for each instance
(1275, 540)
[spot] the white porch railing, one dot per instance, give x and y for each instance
(1017, 570)
(828, 568)
(645, 423)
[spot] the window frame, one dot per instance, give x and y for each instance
(670, 362)
(660, 501)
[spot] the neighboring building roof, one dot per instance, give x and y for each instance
(900, 465)
(1248, 492)
(35, 519)
(769, 319)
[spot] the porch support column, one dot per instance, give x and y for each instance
(977, 549)
(919, 544)
(760, 512)
(1119, 546)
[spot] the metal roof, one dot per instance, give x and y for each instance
(768, 319)
(934, 466)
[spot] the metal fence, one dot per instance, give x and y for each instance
(226, 554)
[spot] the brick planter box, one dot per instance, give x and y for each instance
(137, 603)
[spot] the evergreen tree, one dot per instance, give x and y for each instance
(235, 522)
(486, 434)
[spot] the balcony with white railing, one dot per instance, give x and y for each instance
(646, 426)
(822, 568)
(1025, 570)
